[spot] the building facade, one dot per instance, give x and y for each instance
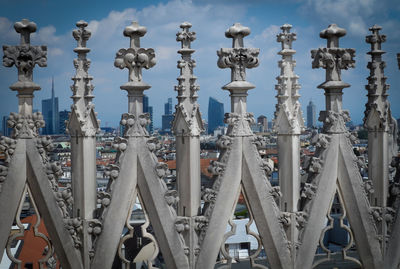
(263, 121)
(311, 115)
(63, 117)
(50, 113)
(215, 114)
(168, 107)
(168, 117)
(148, 109)
(5, 130)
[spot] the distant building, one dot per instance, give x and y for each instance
(148, 109)
(270, 124)
(107, 130)
(263, 121)
(168, 117)
(63, 116)
(311, 115)
(166, 123)
(257, 128)
(168, 107)
(215, 114)
(205, 125)
(220, 130)
(50, 113)
(6, 131)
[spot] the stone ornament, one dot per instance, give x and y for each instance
(7, 145)
(288, 115)
(377, 112)
(25, 126)
(382, 136)
(238, 58)
(81, 35)
(332, 58)
(83, 119)
(288, 125)
(185, 36)
(25, 57)
(187, 118)
(135, 58)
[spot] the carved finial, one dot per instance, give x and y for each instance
(187, 113)
(333, 59)
(25, 28)
(332, 34)
(375, 39)
(135, 58)
(25, 57)
(377, 112)
(83, 120)
(238, 58)
(237, 32)
(135, 32)
(286, 37)
(288, 115)
(185, 36)
(81, 35)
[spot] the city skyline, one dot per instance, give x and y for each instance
(215, 114)
(263, 17)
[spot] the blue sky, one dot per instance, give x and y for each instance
(210, 19)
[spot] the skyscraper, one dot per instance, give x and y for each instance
(63, 116)
(148, 109)
(168, 117)
(168, 107)
(311, 118)
(215, 114)
(150, 127)
(6, 131)
(166, 122)
(263, 121)
(50, 113)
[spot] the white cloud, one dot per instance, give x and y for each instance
(47, 35)
(5, 25)
(7, 31)
(270, 32)
(55, 52)
(113, 24)
(357, 26)
(165, 53)
(266, 37)
(350, 14)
